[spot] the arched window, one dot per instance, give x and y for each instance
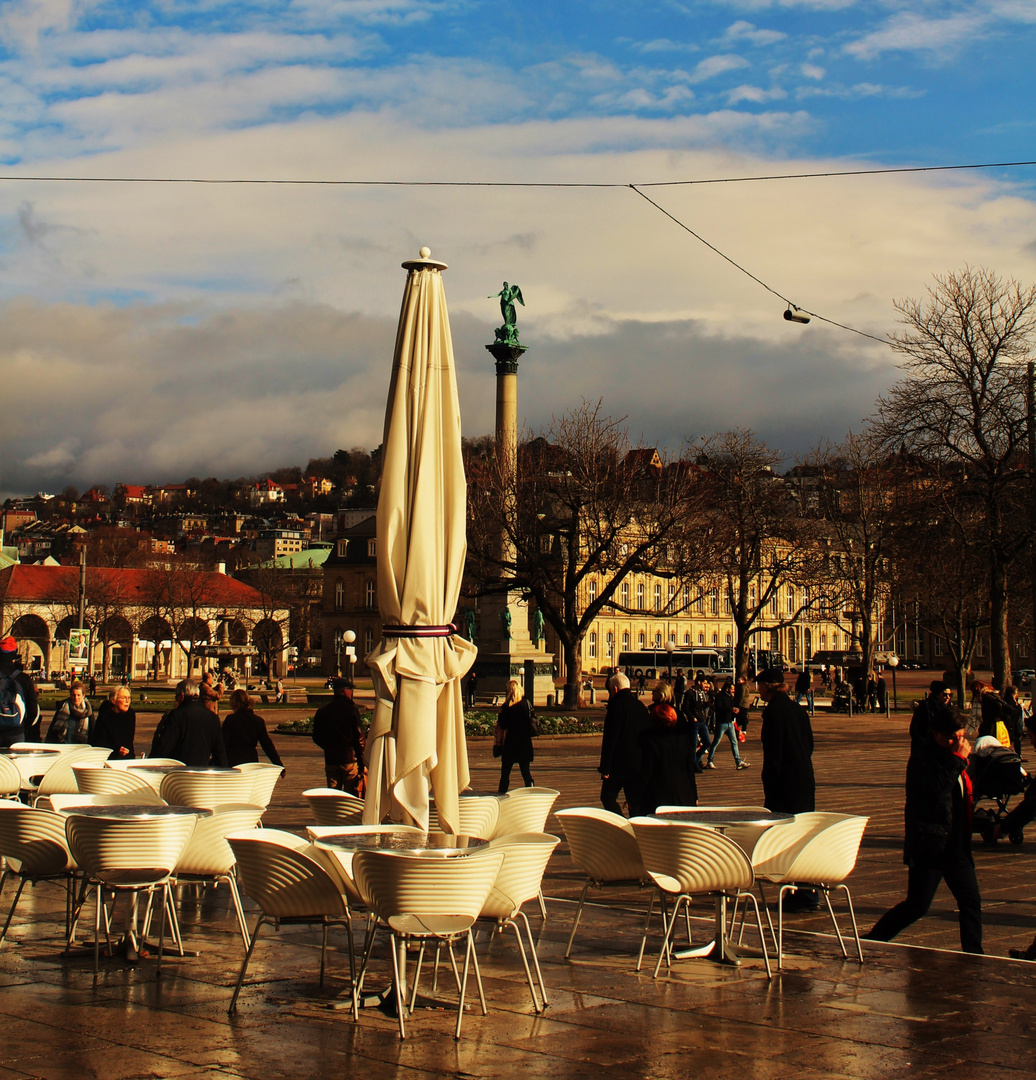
(658, 639)
(625, 640)
(701, 639)
(609, 645)
(640, 639)
(339, 595)
(593, 645)
(687, 639)
(715, 638)
(728, 641)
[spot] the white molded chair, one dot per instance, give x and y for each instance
(209, 858)
(525, 859)
(478, 815)
(33, 845)
(97, 780)
(264, 779)
(421, 899)
(524, 810)
(59, 779)
(206, 790)
(10, 777)
(604, 845)
(340, 860)
(687, 860)
(290, 886)
(333, 807)
(822, 859)
(128, 855)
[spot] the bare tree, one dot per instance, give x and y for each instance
(583, 502)
(107, 595)
(180, 593)
(860, 492)
(761, 541)
(962, 402)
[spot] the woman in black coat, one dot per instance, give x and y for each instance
(115, 725)
(515, 723)
(243, 730)
(668, 756)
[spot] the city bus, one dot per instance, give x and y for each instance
(651, 663)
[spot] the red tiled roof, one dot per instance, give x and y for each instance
(43, 584)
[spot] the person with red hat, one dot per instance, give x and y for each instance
(19, 709)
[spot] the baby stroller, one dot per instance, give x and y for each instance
(996, 776)
(841, 697)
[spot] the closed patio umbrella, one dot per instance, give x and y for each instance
(417, 735)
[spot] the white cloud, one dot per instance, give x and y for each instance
(912, 32)
(746, 31)
(811, 71)
(755, 94)
(717, 65)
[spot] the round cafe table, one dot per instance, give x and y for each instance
(723, 819)
(30, 763)
(428, 845)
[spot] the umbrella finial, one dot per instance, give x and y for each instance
(425, 262)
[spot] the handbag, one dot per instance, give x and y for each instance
(740, 734)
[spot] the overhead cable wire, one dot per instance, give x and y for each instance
(302, 182)
(748, 273)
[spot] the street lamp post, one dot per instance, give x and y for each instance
(349, 637)
(893, 662)
(669, 646)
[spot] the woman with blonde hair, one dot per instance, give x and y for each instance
(514, 727)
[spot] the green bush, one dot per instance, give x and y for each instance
(477, 722)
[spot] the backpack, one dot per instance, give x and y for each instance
(12, 703)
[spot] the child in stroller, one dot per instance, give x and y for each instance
(841, 698)
(996, 775)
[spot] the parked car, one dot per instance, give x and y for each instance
(1024, 676)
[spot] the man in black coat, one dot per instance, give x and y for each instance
(787, 738)
(938, 832)
(191, 733)
(338, 732)
(20, 712)
(626, 720)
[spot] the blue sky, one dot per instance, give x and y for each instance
(275, 306)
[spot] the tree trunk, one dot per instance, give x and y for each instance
(999, 649)
(573, 673)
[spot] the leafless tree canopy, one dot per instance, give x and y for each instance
(962, 403)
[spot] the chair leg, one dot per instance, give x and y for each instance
(323, 948)
(664, 951)
(834, 921)
(535, 964)
(97, 932)
(235, 895)
(76, 910)
(397, 982)
(10, 914)
(852, 916)
(525, 964)
(647, 923)
(244, 965)
(174, 921)
(543, 905)
(780, 924)
(575, 921)
(468, 953)
(161, 927)
(759, 923)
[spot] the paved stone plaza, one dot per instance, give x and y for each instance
(915, 1009)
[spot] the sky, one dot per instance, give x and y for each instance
(152, 331)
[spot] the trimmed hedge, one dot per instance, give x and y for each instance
(476, 722)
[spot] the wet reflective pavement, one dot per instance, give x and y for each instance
(908, 1010)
